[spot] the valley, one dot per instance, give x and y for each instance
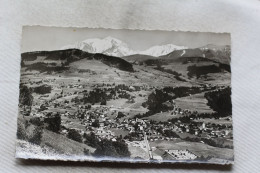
(133, 106)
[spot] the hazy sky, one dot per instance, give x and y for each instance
(36, 38)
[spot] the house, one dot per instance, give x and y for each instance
(158, 158)
(102, 115)
(203, 126)
(100, 131)
(131, 88)
(101, 124)
(196, 132)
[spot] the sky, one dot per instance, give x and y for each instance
(39, 38)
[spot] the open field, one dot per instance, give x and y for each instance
(198, 149)
(196, 102)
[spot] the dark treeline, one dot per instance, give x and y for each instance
(25, 96)
(202, 70)
(154, 62)
(53, 122)
(69, 56)
(106, 147)
(220, 101)
(120, 115)
(176, 74)
(156, 100)
(170, 134)
(43, 89)
(95, 96)
(225, 67)
(74, 135)
(114, 62)
(186, 91)
(101, 95)
(44, 67)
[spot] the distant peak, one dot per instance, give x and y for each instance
(115, 47)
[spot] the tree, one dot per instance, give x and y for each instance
(103, 102)
(54, 122)
(43, 89)
(155, 101)
(105, 148)
(36, 136)
(112, 149)
(91, 139)
(42, 108)
(220, 101)
(135, 126)
(170, 134)
(36, 121)
(21, 132)
(25, 97)
(96, 123)
(74, 135)
(120, 115)
(121, 148)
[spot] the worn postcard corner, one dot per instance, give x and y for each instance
(125, 96)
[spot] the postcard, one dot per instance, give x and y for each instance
(125, 96)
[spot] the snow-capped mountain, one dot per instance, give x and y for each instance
(219, 53)
(161, 50)
(114, 47)
(109, 46)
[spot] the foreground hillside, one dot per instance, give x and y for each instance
(54, 61)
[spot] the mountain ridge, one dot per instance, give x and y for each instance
(115, 47)
(59, 59)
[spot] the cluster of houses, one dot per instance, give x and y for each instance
(89, 115)
(181, 154)
(97, 118)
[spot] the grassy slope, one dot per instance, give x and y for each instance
(196, 102)
(62, 144)
(198, 149)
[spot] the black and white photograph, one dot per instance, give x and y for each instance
(125, 96)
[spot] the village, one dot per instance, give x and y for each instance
(89, 109)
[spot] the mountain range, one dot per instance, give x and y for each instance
(114, 47)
